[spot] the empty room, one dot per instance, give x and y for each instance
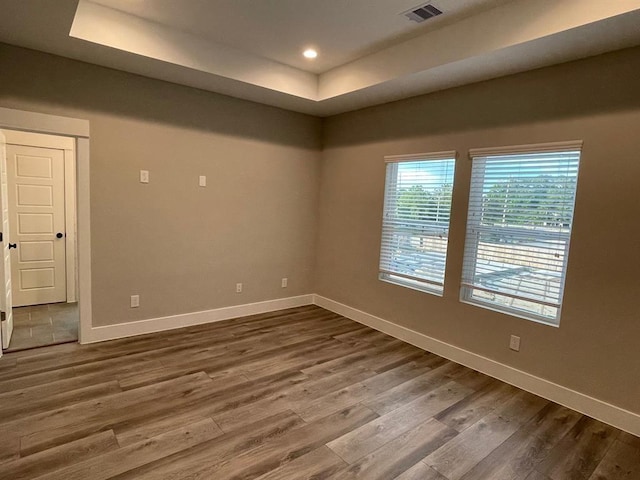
(341, 239)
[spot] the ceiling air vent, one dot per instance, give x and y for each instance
(420, 14)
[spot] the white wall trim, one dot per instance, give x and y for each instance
(43, 140)
(83, 238)
(70, 169)
(43, 123)
(605, 412)
(141, 327)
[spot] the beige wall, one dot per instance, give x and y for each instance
(182, 248)
(277, 206)
(596, 348)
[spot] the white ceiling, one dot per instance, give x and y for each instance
(369, 52)
(279, 30)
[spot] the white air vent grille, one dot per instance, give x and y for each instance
(420, 14)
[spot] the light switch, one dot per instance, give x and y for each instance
(144, 176)
(514, 343)
(135, 301)
(203, 181)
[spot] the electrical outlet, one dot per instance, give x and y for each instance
(202, 181)
(144, 176)
(285, 282)
(238, 288)
(135, 301)
(514, 343)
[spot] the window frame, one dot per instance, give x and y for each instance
(472, 241)
(397, 278)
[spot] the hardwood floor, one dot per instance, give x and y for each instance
(297, 394)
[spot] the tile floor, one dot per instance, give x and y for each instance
(41, 325)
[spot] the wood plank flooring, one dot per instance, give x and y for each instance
(297, 394)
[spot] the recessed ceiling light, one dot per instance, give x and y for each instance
(310, 53)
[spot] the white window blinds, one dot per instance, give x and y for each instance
(415, 226)
(518, 230)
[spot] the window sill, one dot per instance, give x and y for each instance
(413, 285)
(512, 313)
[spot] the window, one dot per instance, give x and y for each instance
(415, 225)
(518, 229)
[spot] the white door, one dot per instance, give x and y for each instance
(35, 178)
(5, 256)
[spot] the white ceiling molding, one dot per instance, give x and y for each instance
(512, 37)
(551, 50)
(112, 28)
(513, 24)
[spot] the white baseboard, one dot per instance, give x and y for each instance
(605, 412)
(141, 327)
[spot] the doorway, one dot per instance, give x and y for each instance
(47, 176)
(41, 208)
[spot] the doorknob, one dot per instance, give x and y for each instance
(13, 245)
(59, 235)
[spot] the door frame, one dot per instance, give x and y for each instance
(68, 148)
(78, 129)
